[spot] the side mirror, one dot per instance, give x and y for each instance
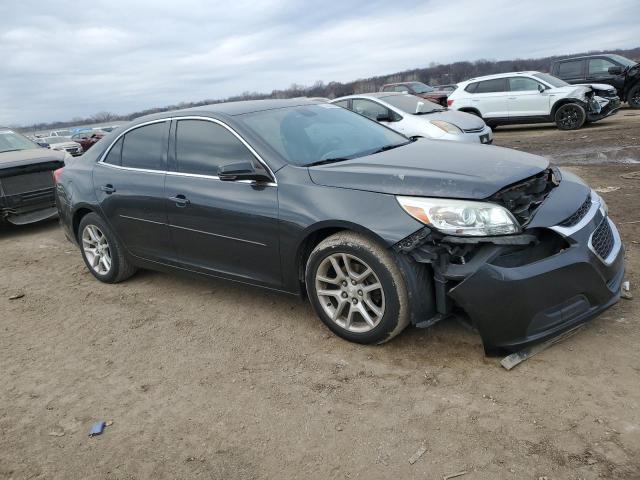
(615, 70)
(384, 117)
(240, 171)
(541, 88)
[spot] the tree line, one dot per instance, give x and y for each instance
(434, 74)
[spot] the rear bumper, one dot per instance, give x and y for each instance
(518, 305)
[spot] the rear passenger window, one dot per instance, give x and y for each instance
(115, 154)
(570, 69)
(202, 147)
(492, 86)
(145, 147)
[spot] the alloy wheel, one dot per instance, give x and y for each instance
(350, 292)
(96, 249)
(569, 116)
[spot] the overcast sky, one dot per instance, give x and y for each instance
(64, 59)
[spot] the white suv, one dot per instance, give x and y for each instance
(534, 97)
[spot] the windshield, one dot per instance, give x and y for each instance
(11, 141)
(420, 87)
(623, 60)
(51, 140)
(551, 80)
(412, 104)
(309, 134)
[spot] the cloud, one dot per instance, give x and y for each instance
(63, 59)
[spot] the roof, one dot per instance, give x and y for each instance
(500, 75)
(233, 108)
(372, 94)
(401, 83)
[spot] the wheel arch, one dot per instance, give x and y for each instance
(565, 101)
(318, 232)
(471, 110)
(78, 214)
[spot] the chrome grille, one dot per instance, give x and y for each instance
(579, 214)
(602, 239)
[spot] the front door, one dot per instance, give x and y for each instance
(129, 185)
(525, 98)
(224, 228)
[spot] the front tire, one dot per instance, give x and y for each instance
(356, 288)
(102, 253)
(570, 116)
(633, 99)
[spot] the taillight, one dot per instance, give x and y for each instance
(449, 102)
(56, 174)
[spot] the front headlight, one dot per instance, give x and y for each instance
(461, 217)
(447, 127)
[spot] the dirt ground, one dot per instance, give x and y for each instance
(212, 380)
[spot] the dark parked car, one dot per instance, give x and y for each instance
(26, 179)
(88, 139)
(615, 70)
(377, 230)
(419, 89)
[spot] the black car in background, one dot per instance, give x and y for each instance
(615, 70)
(26, 179)
(379, 231)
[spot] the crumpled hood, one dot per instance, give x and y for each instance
(581, 89)
(29, 157)
(465, 121)
(433, 168)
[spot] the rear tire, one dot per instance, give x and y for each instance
(101, 251)
(633, 98)
(357, 289)
(570, 116)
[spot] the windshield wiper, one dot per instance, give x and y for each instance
(14, 150)
(431, 111)
(389, 147)
(327, 161)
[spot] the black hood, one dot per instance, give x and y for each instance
(31, 156)
(433, 168)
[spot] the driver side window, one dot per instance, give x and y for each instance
(370, 109)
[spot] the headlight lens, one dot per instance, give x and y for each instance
(461, 217)
(447, 127)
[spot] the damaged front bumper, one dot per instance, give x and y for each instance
(599, 107)
(564, 269)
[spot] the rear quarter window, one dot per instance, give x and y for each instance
(471, 88)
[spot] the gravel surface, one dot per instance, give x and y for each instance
(207, 379)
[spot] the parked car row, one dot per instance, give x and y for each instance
(377, 229)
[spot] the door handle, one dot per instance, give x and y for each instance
(513, 98)
(180, 200)
(108, 189)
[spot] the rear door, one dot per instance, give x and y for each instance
(572, 71)
(490, 98)
(129, 185)
(525, 98)
(225, 228)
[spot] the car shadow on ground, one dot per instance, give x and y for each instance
(8, 230)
